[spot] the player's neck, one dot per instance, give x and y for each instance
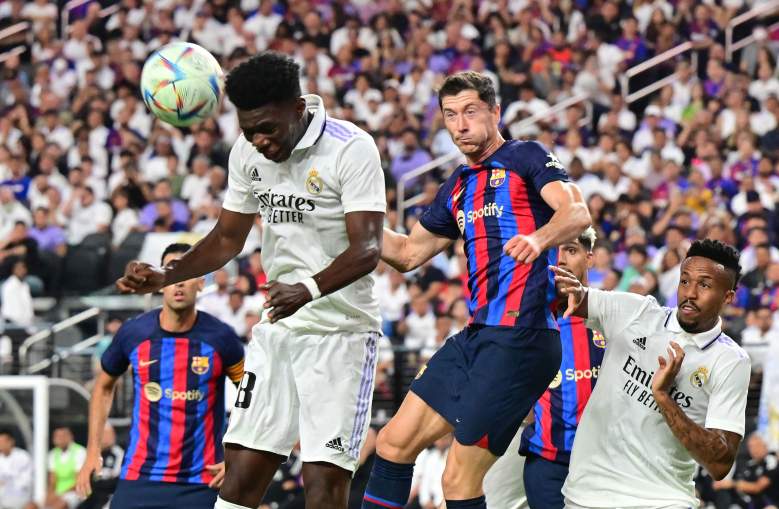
(490, 149)
(177, 321)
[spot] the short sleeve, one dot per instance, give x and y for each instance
(232, 355)
(361, 177)
(728, 397)
(116, 359)
(611, 312)
(437, 218)
(540, 165)
(239, 197)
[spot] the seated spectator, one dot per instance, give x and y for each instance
(759, 335)
(16, 298)
(164, 191)
(756, 483)
(65, 461)
(107, 477)
(216, 303)
(411, 157)
(16, 474)
(235, 313)
(86, 215)
(428, 471)
(11, 211)
(418, 326)
(125, 219)
(165, 222)
(49, 236)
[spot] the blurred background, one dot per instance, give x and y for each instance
(664, 112)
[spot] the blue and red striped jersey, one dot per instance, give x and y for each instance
(487, 205)
(558, 411)
(179, 414)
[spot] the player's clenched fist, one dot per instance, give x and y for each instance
(523, 248)
(283, 299)
(141, 277)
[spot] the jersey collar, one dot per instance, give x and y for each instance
(314, 104)
(702, 339)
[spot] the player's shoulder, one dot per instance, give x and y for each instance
(140, 325)
(726, 350)
(337, 134)
(530, 152)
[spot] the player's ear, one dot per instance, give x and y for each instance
(730, 296)
(201, 283)
(590, 259)
(300, 106)
(496, 111)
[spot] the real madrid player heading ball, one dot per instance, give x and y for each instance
(319, 186)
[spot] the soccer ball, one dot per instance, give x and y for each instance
(182, 83)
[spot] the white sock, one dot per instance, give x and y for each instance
(224, 504)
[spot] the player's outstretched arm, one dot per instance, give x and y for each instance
(570, 218)
(407, 252)
(363, 230)
(99, 406)
(714, 449)
(221, 244)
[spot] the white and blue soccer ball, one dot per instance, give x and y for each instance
(182, 83)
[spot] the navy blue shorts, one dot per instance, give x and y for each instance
(162, 495)
(485, 380)
(544, 481)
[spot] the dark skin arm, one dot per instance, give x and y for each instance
(221, 245)
(364, 230)
(714, 449)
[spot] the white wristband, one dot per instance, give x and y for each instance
(313, 288)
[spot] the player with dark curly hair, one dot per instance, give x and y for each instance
(317, 182)
(671, 392)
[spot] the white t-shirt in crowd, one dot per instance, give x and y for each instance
(334, 169)
(15, 479)
(625, 455)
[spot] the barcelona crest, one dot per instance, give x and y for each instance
(598, 339)
(497, 177)
(200, 365)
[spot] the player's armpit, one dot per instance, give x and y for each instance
(407, 252)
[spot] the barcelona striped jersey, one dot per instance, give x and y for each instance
(178, 416)
(488, 204)
(558, 411)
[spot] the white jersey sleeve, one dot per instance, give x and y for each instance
(239, 196)
(611, 312)
(361, 177)
(728, 398)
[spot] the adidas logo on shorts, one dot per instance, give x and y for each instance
(640, 342)
(335, 444)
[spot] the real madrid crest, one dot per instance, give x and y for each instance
(497, 177)
(699, 377)
(200, 365)
(314, 184)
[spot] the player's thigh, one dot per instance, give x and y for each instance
(265, 414)
(466, 466)
(334, 376)
(326, 485)
(413, 428)
(544, 483)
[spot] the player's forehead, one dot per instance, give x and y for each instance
(462, 100)
(704, 268)
(270, 113)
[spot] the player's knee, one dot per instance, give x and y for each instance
(392, 447)
(325, 493)
(458, 484)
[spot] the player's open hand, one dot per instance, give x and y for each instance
(669, 368)
(523, 248)
(218, 471)
(141, 278)
(283, 299)
(84, 479)
(570, 287)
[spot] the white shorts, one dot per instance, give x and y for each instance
(313, 388)
(503, 484)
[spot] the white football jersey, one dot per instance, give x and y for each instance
(334, 169)
(624, 454)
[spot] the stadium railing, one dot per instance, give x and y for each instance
(650, 64)
(766, 9)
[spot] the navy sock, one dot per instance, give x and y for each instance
(389, 486)
(471, 503)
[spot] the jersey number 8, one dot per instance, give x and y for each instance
(244, 398)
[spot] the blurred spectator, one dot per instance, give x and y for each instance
(86, 215)
(64, 462)
(393, 297)
(758, 337)
(11, 211)
(16, 474)
(411, 156)
(428, 472)
(235, 313)
(125, 218)
(16, 298)
(49, 237)
(418, 326)
(756, 483)
(178, 209)
(217, 302)
(107, 477)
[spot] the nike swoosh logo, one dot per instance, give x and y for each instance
(456, 196)
(143, 364)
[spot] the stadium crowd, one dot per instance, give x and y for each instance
(81, 157)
